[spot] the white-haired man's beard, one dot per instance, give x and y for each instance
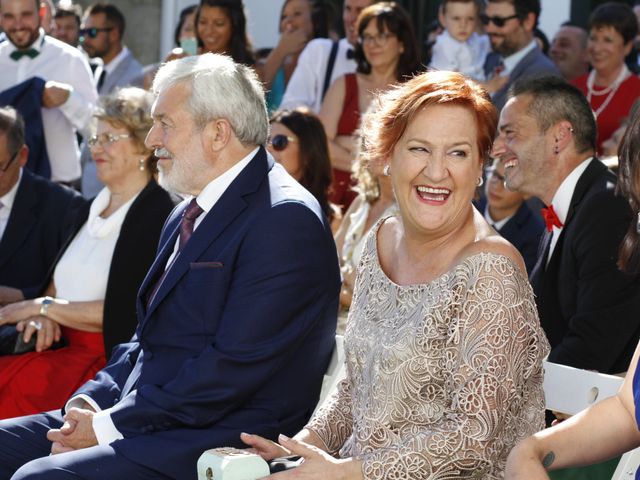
(179, 176)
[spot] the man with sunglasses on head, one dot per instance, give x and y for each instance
(101, 37)
(36, 216)
(68, 96)
(510, 25)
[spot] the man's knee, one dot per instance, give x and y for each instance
(40, 469)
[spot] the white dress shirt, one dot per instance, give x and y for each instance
(562, 200)
(513, 60)
(6, 202)
(63, 63)
(307, 81)
(103, 426)
(465, 57)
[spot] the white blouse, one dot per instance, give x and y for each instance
(83, 271)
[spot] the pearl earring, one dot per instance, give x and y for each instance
(480, 182)
(141, 165)
(387, 170)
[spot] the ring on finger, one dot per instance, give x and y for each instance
(37, 324)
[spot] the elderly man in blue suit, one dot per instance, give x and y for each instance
(237, 313)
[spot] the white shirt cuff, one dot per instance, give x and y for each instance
(77, 402)
(106, 432)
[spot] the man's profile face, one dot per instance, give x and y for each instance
(10, 162)
(521, 147)
(177, 142)
(20, 21)
(101, 45)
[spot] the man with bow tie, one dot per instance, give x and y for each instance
(588, 307)
(322, 61)
(69, 93)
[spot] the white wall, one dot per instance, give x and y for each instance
(554, 13)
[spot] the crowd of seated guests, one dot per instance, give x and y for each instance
(377, 185)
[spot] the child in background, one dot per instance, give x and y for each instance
(459, 48)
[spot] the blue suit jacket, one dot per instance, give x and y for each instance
(239, 333)
(523, 231)
(533, 63)
(42, 219)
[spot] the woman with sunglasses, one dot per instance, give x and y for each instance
(386, 53)
(221, 27)
(610, 87)
(89, 305)
(309, 164)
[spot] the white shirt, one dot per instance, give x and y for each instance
(103, 426)
(495, 224)
(111, 66)
(59, 62)
(513, 60)
(562, 200)
(306, 84)
(82, 273)
(7, 204)
(465, 57)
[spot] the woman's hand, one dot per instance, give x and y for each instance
(267, 449)
(15, 312)
(47, 331)
(292, 41)
(318, 464)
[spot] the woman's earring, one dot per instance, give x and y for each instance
(638, 224)
(480, 182)
(141, 165)
(387, 170)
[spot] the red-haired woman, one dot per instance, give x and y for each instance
(443, 344)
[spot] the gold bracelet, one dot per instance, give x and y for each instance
(44, 306)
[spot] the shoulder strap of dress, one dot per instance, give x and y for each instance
(329, 71)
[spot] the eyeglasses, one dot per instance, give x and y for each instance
(497, 21)
(379, 39)
(106, 139)
(93, 32)
(8, 164)
(280, 142)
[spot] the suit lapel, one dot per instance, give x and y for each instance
(224, 212)
(21, 220)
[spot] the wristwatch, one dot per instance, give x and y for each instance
(44, 306)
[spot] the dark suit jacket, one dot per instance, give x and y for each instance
(588, 308)
(132, 256)
(239, 332)
(533, 63)
(523, 231)
(42, 219)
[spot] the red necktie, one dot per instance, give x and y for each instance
(550, 218)
(192, 212)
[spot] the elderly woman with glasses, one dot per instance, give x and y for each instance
(89, 305)
(386, 53)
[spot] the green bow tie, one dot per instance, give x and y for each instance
(29, 52)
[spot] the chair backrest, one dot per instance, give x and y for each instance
(336, 371)
(570, 390)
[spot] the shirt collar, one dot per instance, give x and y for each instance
(512, 60)
(562, 198)
(8, 198)
(212, 192)
(495, 224)
(111, 66)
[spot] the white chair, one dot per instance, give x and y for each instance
(570, 390)
(236, 464)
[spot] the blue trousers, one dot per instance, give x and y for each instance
(24, 454)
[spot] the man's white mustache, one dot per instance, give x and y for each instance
(162, 153)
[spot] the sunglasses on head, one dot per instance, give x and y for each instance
(497, 21)
(93, 32)
(280, 142)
